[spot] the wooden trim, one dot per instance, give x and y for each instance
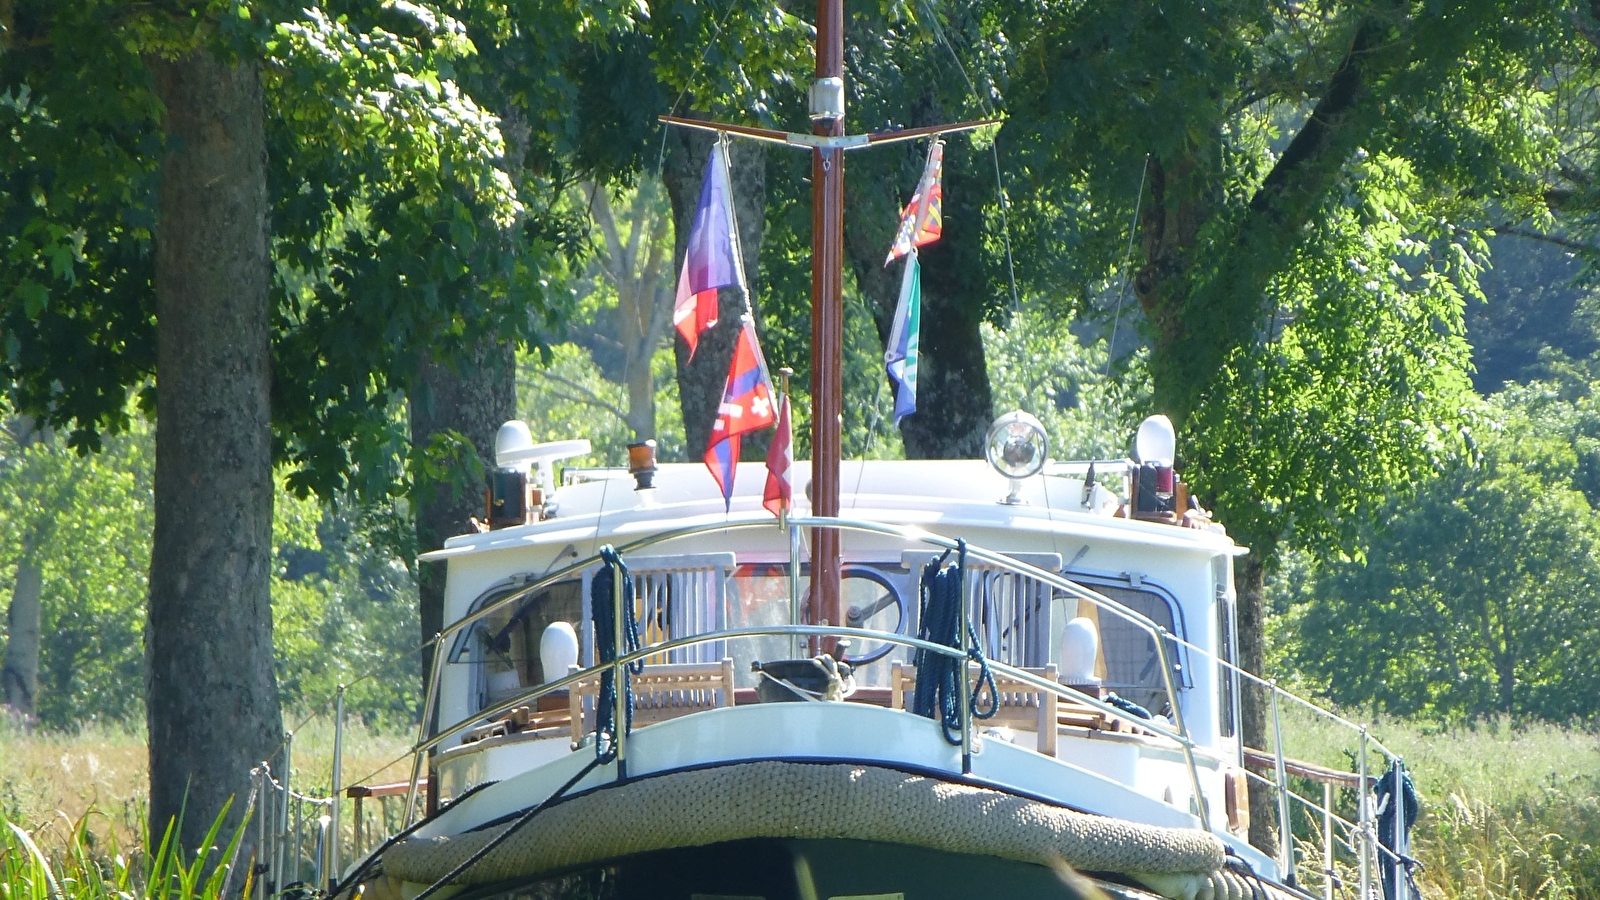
(1261, 759)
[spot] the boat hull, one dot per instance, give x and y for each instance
(801, 869)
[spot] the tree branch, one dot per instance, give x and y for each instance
(1568, 243)
(587, 397)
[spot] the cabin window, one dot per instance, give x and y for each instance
(1227, 646)
(502, 648)
(1224, 658)
(1129, 663)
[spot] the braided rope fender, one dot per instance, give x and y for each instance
(772, 799)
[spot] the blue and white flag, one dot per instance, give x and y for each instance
(901, 358)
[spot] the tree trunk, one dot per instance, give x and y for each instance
(22, 635)
(474, 397)
(701, 379)
(636, 267)
(1250, 583)
(212, 701)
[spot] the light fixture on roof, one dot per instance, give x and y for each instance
(1017, 448)
(1154, 483)
(1157, 441)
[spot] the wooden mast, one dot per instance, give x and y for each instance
(827, 310)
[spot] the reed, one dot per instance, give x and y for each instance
(82, 867)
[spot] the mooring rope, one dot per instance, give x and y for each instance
(938, 691)
(602, 605)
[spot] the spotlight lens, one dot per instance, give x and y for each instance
(1017, 446)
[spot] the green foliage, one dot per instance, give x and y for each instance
(341, 595)
(85, 521)
(391, 194)
(343, 613)
(1037, 364)
(1312, 190)
(1476, 596)
(1359, 376)
(567, 398)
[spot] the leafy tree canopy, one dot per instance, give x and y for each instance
(385, 171)
(1475, 599)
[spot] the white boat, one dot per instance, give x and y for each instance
(1099, 647)
(1011, 677)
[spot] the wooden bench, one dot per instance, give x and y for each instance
(663, 691)
(1021, 705)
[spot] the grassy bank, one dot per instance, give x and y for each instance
(51, 781)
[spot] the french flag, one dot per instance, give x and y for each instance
(746, 406)
(712, 258)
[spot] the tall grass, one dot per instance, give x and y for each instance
(1508, 811)
(96, 777)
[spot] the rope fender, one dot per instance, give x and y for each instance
(809, 800)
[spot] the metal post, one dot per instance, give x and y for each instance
(1285, 825)
(619, 724)
(298, 853)
(318, 872)
(827, 323)
(263, 783)
(1327, 840)
(332, 843)
(1160, 637)
(1397, 802)
(965, 710)
(1364, 814)
(797, 643)
(427, 717)
(282, 836)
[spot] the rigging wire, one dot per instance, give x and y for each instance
(994, 149)
(661, 157)
(1127, 262)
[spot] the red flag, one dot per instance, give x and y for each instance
(746, 406)
(779, 494)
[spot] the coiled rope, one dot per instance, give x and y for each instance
(938, 690)
(602, 611)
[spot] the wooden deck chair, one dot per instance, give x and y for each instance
(662, 691)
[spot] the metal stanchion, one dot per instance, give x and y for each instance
(334, 834)
(1285, 824)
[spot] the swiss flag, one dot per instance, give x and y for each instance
(746, 406)
(779, 494)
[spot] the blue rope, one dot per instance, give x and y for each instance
(602, 612)
(1408, 805)
(938, 690)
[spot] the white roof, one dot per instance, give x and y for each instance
(940, 495)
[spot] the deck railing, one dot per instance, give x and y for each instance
(1356, 836)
